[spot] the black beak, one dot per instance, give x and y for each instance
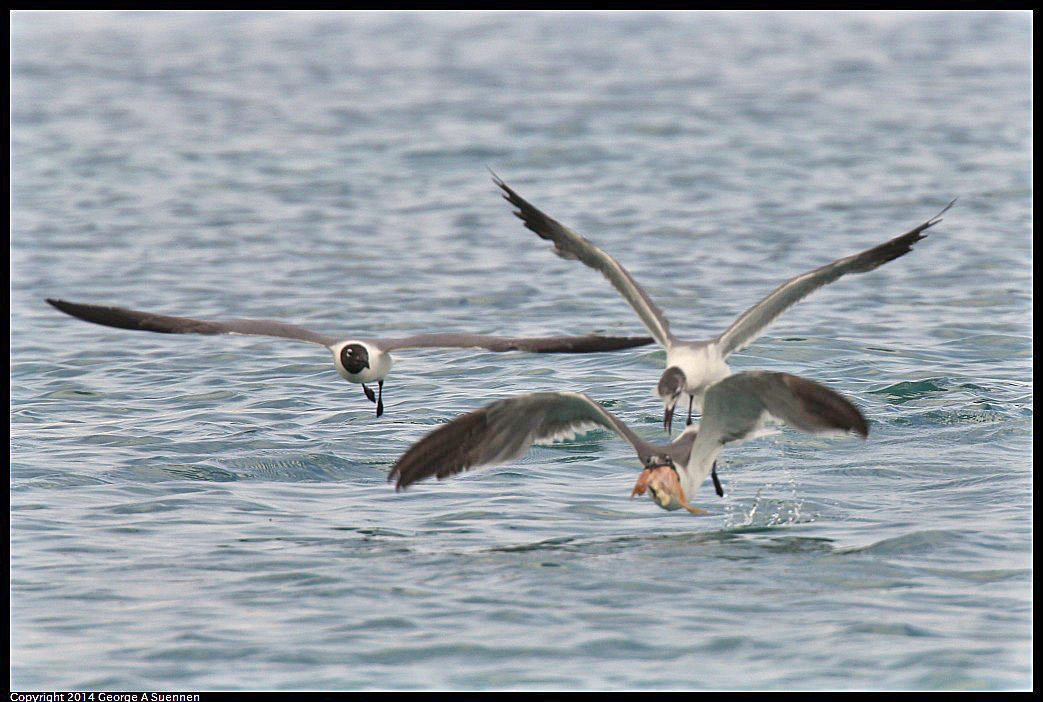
(668, 418)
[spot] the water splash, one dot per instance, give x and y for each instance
(768, 511)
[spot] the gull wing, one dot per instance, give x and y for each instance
(503, 431)
(737, 407)
(123, 318)
(569, 244)
(753, 321)
(591, 343)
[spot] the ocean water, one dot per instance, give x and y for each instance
(213, 513)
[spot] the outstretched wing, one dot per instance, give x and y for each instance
(734, 407)
(123, 318)
(591, 343)
(569, 244)
(753, 321)
(737, 407)
(503, 431)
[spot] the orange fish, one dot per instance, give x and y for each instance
(666, 489)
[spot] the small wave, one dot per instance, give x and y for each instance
(905, 391)
(916, 542)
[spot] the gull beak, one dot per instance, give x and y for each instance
(668, 418)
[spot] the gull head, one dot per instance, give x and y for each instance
(660, 480)
(670, 389)
(354, 358)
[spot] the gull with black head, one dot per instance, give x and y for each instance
(357, 360)
(734, 409)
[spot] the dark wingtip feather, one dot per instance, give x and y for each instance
(61, 305)
(829, 408)
(99, 314)
(592, 343)
(445, 451)
(938, 217)
(123, 318)
(930, 223)
(899, 246)
(507, 193)
(536, 221)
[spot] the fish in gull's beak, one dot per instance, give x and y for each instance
(665, 488)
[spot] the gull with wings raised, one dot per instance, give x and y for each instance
(694, 366)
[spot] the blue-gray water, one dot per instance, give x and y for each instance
(212, 512)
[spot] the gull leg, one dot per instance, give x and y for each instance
(380, 397)
(690, 400)
(369, 393)
(716, 481)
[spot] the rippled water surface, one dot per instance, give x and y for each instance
(212, 512)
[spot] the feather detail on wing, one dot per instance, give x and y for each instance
(736, 408)
(814, 408)
(501, 432)
(570, 245)
(568, 433)
(123, 318)
(753, 321)
(591, 343)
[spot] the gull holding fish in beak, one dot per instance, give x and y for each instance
(734, 409)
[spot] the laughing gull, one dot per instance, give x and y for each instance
(357, 360)
(693, 366)
(734, 409)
